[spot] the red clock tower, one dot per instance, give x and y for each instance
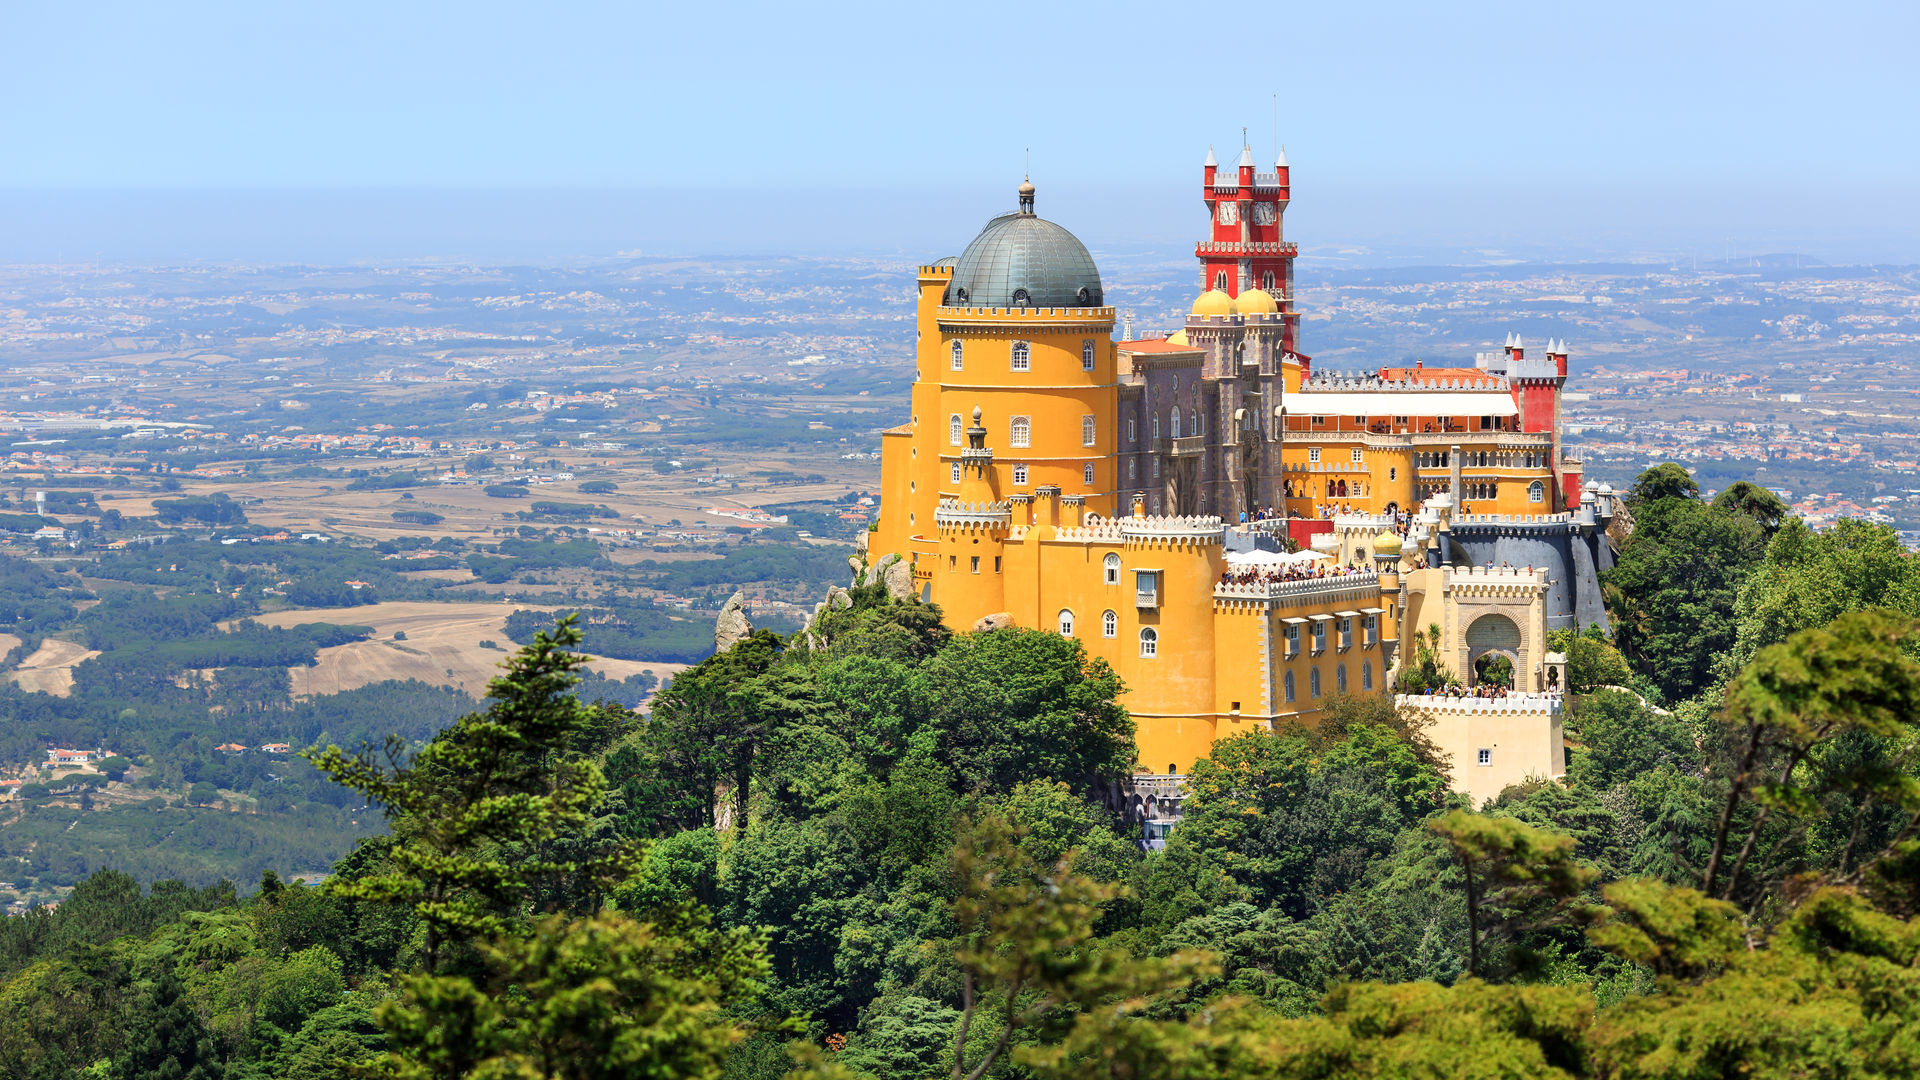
(1246, 247)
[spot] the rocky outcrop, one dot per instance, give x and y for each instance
(899, 578)
(999, 620)
(1621, 527)
(732, 625)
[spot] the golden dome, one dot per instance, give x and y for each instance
(1213, 302)
(1386, 543)
(1178, 337)
(1256, 302)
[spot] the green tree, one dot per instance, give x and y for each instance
(1509, 864)
(168, 1041)
(1296, 819)
(594, 998)
(478, 809)
(1026, 969)
(1619, 738)
(1756, 502)
(1592, 660)
(1808, 579)
(1801, 696)
(1664, 481)
(1674, 588)
(1012, 705)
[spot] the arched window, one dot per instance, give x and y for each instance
(1086, 355)
(1288, 683)
(1113, 569)
(1086, 475)
(956, 472)
(1175, 421)
(1313, 683)
(1022, 433)
(1087, 430)
(1340, 679)
(1536, 492)
(956, 354)
(1131, 432)
(1366, 675)
(953, 430)
(1109, 624)
(1022, 356)
(1149, 642)
(1266, 281)
(1156, 425)
(1220, 281)
(1020, 476)
(1066, 623)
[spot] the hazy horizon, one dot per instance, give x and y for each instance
(1342, 224)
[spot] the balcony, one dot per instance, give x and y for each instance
(1185, 446)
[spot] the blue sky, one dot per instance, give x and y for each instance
(1688, 118)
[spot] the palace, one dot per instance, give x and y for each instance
(1239, 535)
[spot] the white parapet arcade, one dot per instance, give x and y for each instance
(1493, 743)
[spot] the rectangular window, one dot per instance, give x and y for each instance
(1293, 640)
(1346, 633)
(1320, 637)
(1358, 455)
(1020, 476)
(1146, 588)
(1022, 356)
(996, 564)
(952, 562)
(1486, 756)
(1313, 453)
(1373, 629)
(976, 564)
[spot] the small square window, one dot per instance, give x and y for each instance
(1486, 756)
(1020, 476)
(1313, 453)
(1358, 455)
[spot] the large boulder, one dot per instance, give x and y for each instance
(999, 620)
(899, 578)
(732, 625)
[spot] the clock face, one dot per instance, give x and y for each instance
(1265, 213)
(1229, 213)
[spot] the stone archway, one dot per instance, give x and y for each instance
(1494, 634)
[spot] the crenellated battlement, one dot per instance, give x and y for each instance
(1365, 582)
(955, 514)
(1438, 705)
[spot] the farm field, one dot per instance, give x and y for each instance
(50, 668)
(442, 646)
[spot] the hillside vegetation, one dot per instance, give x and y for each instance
(887, 851)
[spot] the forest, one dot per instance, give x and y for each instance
(884, 850)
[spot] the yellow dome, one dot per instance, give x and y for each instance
(1256, 302)
(1386, 544)
(1178, 337)
(1213, 302)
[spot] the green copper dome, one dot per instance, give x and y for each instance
(1022, 260)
